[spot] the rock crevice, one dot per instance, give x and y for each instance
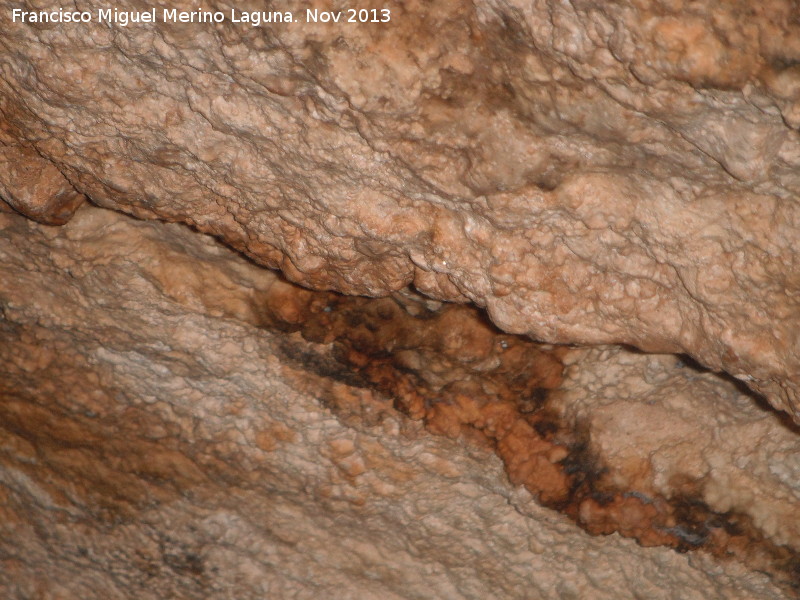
(624, 174)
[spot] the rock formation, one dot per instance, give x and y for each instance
(165, 434)
(546, 337)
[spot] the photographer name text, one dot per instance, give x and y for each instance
(114, 16)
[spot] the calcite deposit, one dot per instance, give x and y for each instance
(501, 299)
(589, 173)
(166, 434)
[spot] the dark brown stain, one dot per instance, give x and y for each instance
(444, 365)
(452, 369)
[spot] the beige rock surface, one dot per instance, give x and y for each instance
(670, 422)
(35, 188)
(666, 430)
(589, 172)
(155, 442)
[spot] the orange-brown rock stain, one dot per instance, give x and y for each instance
(447, 366)
(271, 437)
(444, 365)
(114, 468)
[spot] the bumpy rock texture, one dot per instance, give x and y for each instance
(162, 437)
(615, 173)
(178, 421)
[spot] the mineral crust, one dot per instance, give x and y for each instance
(164, 433)
(588, 172)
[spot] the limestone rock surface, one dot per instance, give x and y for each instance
(683, 442)
(161, 437)
(616, 172)
(616, 181)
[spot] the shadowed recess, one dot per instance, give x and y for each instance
(448, 366)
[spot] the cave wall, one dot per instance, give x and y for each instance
(163, 437)
(548, 258)
(615, 174)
